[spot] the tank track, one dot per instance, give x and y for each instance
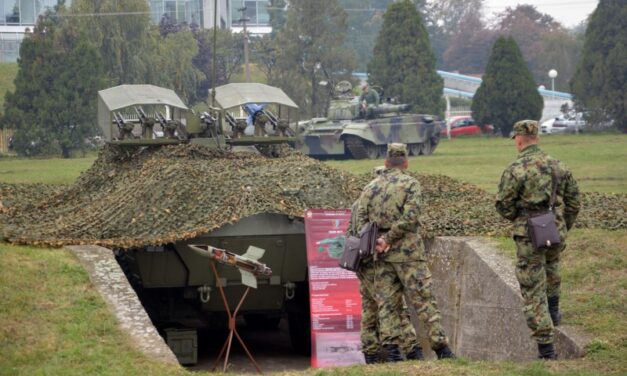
(356, 147)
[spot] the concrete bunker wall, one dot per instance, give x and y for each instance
(476, 289)
(481, 306)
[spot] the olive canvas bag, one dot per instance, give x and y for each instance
(543, 227)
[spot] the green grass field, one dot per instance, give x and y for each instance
(52, 321)
(598, 161)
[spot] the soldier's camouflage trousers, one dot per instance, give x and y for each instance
(412, 278)
(370, 341)
(538, 276)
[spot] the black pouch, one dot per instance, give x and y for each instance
(543, 231)
(368, 239)
(542, 227)
(351, 256)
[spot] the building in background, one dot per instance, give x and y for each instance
(258, 18)
(16, 18)
(19, 16)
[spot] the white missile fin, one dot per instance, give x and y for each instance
(254, 253)
(248, 279)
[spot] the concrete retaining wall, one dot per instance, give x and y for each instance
(109, 279)
(481, 305)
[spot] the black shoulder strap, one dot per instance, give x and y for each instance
(555, 180)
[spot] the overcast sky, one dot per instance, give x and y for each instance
(568, 12)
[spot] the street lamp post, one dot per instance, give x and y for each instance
(552, 74)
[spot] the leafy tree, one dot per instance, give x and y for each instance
(173, 65)
(600, 82)
(507, 93)
(364, 21)
(469, 46)
(229, 57)
(54, 103)
(443, 19)
(123, 33)
(310, 51)
(544, 43)
(403, 63)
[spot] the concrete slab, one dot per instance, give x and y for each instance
(481, 305)
(110, 281)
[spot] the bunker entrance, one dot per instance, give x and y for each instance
(180, 293)
(475, 286)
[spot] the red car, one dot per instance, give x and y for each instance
(465, 125)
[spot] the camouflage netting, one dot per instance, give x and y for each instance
(164, 194)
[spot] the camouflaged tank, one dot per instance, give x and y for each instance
(355, 130)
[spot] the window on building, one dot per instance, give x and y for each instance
(256, 12)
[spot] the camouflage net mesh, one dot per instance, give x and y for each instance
(165, 194)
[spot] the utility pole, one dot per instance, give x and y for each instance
(243, 21)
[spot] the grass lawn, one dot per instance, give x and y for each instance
(52, 321)
(598, 161)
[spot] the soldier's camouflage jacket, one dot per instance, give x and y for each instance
(525, 189)
(392, 200)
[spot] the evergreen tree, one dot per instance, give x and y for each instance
(403, 62)
(600, 81)
(54, 103)
(311, 52)
(507, 93)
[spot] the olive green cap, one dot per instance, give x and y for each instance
(525, 128)
(397, 150)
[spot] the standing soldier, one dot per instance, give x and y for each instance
(525, 189)
(370, 341)
(392, 200)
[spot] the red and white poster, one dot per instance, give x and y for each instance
(333, 292)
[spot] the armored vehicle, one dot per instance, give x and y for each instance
(356, 130)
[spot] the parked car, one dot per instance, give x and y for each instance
(547, 126)
(465, 125)
(570, 124)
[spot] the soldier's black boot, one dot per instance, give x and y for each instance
(444, 353)
(372, 358)
(415, 354)
(554, 310)
(393, 354)
(546, 351)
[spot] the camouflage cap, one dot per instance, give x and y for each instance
(525, 128)
(397, 150)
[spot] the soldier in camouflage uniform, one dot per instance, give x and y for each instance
(370, 343)
(392, 200)
(525, 189)
(370, 96)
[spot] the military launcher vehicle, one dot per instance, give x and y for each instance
(249, 114)
(356, 130)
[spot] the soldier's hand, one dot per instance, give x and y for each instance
(381, 246)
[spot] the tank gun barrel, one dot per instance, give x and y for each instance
(389, 108)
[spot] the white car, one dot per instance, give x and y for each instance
(547, 126)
